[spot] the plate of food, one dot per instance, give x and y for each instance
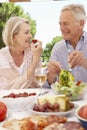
(40, 122)
(52, 105)
(17, 100)
(67, 85)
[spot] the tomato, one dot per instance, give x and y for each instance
(78, 83)
(3, 111)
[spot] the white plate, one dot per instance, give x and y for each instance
(30, 109)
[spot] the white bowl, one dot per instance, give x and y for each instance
(17, 104)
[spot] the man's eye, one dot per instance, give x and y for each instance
(66, 24)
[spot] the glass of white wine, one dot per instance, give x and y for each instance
(41, 76)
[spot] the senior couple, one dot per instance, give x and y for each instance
(20, 58)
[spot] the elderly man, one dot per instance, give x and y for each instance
(71, 52)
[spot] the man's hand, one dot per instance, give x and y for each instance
(76, 58)
(53, 71)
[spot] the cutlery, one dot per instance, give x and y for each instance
(43, 93)
(69, 68)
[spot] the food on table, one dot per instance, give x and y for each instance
(22, 124)
(83, 112)
(24, 94)
(53, 103)
(34, 122)
(73, 125)
(66, 126)
(65, 77)
(55, 126)
(37, 122)
(52, 119)
(67, 85)
(3, 111)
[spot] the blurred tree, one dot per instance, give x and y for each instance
(10, 9)
(47, 51)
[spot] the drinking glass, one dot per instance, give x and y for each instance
(41, 76)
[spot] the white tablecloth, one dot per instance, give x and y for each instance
(25, 113)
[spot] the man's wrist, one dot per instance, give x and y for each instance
(52, 81)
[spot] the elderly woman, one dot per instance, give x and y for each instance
(20, 57)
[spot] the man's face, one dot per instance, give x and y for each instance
(69, 26)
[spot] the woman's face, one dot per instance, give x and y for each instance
(22, 40)
(69, 26)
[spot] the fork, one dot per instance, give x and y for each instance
(69, 68)
(43, 93)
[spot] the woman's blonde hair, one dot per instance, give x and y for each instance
(78, 11)
(12, 27)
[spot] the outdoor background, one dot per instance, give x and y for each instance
(44, 19)
(47, 15)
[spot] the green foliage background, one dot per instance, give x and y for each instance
(10, 9)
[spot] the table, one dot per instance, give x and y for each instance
(25, 113)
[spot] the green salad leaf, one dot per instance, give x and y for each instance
(68, 86)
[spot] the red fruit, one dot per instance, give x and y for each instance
(3, 105)
(79, 82)
(34, 40)
(83, 112)
(3, 111)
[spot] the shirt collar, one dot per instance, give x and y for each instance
(82, 38)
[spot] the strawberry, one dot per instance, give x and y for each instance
(34, 40)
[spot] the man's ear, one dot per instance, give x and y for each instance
(82, 23)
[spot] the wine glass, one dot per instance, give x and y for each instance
(41, 76)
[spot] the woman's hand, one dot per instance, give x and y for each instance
(37, 51)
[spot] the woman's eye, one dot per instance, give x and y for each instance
(26, 32)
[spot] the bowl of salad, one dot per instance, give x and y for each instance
(67, 86)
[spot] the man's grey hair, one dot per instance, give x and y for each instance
(78, 11)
